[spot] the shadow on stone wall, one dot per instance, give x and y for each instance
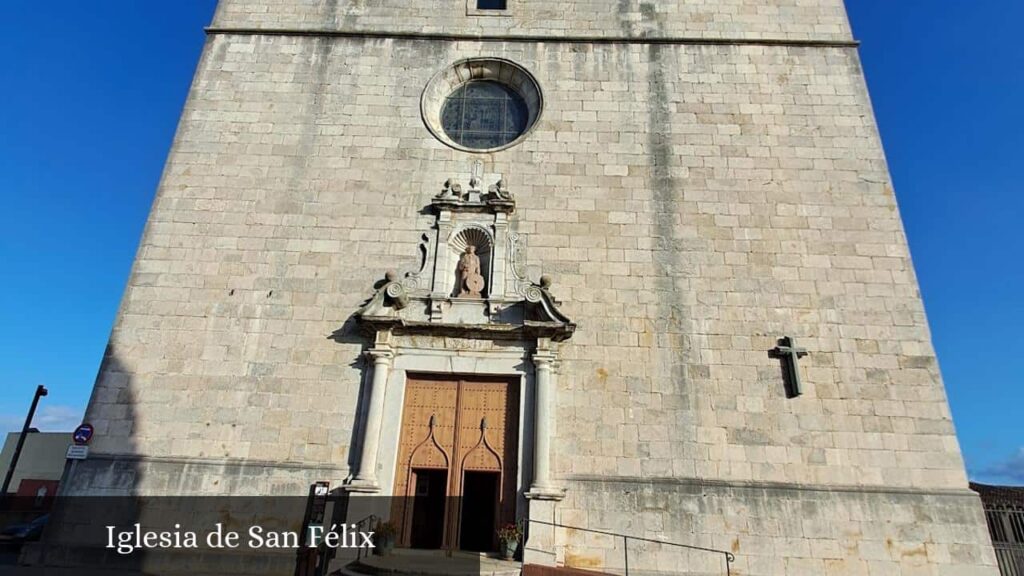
(99, 491)
(110, 500)
(349, 333)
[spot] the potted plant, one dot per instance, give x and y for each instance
(509, 537)
(384, 537)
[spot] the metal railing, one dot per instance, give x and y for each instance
(728, 556)
(372, 519)
(1010, 558)
(1006, 526)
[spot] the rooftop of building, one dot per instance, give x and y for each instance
(1000, 495)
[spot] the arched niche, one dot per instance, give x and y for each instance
(480, 238)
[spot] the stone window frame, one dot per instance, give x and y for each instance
(500, 70)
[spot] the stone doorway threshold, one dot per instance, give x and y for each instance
(407, 562)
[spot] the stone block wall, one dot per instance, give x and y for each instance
(775, 530)
(693, 203)
(748, 19)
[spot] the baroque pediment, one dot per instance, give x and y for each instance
(470, 281)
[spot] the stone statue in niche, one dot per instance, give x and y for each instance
(471, 282)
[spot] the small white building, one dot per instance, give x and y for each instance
(41, 462)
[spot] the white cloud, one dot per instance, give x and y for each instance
(1011, 468)
(48, 418)
(58, 418)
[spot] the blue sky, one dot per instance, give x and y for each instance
(93, 91)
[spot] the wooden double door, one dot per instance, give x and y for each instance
(455, 482)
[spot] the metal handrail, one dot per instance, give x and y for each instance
(357, 525)
(729, 556)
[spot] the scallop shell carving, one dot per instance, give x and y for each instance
(472, 236)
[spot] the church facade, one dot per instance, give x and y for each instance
(626, 266)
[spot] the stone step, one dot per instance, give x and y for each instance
(430, 563)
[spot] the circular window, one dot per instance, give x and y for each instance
(484, 114)
(481, 105)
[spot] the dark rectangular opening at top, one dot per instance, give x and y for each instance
(428, 508)
(491, 4)
(480, 500)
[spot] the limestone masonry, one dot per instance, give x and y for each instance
(702, 179)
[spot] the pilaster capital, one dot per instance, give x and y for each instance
(545, 358)
(380, 355)
(551, 493)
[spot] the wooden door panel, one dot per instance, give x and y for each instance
(441, 429)
(482, 422)
(493, 447)
(430, 448)
(422, 444)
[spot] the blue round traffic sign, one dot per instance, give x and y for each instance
(83, 434)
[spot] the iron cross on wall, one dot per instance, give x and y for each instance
(788, 352)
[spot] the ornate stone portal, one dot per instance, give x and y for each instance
(470, 291)
(470, 278)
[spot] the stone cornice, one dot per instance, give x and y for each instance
(785, 486)
(413, 35)
(206, 461)
(529, 329)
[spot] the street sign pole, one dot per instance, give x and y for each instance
(79, 450)
(40, 392)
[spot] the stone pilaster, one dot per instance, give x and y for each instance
(366, 478)
(543, 488)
